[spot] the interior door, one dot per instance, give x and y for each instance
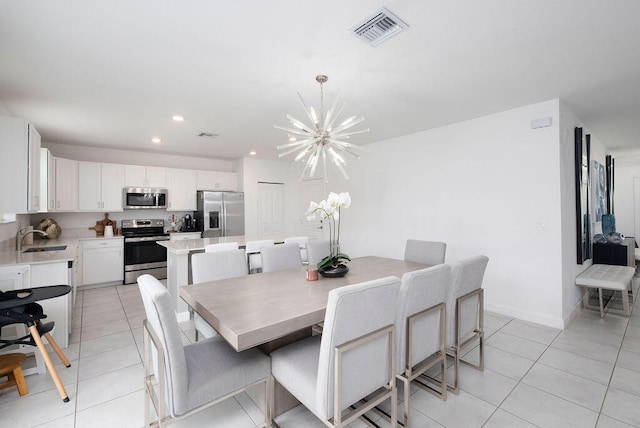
(270, 208)
(313, 190)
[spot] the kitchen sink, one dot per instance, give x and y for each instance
(40, 249)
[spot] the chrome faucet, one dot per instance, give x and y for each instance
(24, 232)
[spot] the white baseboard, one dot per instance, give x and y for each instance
(524, 315)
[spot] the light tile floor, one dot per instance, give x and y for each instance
(585, 376)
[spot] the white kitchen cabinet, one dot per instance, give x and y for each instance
(184, 236)
(66, 185)
(58, 309)
(19, 166)
(47, 181)
(100, 186)
(181, 185)
(144, 176)
(102, 261)
(215, 180)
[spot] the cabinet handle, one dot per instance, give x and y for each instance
(58, 204)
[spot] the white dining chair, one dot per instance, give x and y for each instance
(420, 329)
(253, 248)
(280, 257)
(184, 379)
(213, 266)
(426, 252)
(465, 313)
(353, 359)
(224, 246)
(316, 251)
(302, 243)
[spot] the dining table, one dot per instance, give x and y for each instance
(259, 309)
(272, 309)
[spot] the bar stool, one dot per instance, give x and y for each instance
(11, 367)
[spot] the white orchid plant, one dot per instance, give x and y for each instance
(329, 210)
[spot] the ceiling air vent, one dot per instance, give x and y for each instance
(207, 135)
(379, 27)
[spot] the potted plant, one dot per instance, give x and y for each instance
(334, 264)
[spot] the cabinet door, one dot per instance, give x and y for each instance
(89, 191)
(66, 184)
(34, 169)
(206, 180)
(156, 177)
(111, 188)
(18, 193)
(135, 176)
(181, 184)
(102, 261)
(47, 181)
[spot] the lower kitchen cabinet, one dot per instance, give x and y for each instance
(102, 261)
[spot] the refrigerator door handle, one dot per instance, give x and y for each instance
(223, 220)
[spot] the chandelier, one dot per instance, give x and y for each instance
(321, 139)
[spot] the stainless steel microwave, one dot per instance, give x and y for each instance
(138, 198)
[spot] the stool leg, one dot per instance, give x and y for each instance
(47, 360)
(57, 350)
(18, 377)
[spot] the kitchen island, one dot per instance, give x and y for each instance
(179, 262)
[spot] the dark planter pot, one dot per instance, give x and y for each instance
(334, 272)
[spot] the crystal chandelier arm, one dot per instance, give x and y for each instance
(338, 161)
(306, 145)
(308, 110)
(315, 158)
(292, 130)
(328, 119)
(335, 117)
(324, 166)
(348, 134)
(295, 122)
(348, 124)
(295, 143)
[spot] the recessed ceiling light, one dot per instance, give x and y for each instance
(156, 140)
(178, 118)
(253, 153)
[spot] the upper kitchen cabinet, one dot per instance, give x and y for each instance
(213, 180)
(66, 185)
(100, 186)
(47, 181)
(144, 176)
(19, 166)
(181, 185)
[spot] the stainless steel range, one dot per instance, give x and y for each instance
(142, 254)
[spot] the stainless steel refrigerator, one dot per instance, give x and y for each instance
(220, 213)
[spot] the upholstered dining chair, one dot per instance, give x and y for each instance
(302, 243)
(465, 313)
(353, 359)
(223, 246)
(253, 248)
(420, 329)
(427, 252)
(281, 257)
(182, 380)
(316, 251)
(213, 266)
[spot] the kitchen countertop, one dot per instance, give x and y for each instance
(69, 237)
(188, 245)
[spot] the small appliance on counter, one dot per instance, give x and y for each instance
(188, 224)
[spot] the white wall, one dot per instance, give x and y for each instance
(485, 186)
(571, 294)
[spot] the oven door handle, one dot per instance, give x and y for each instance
(147, 238)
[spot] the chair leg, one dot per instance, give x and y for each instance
(269, 391)
(57, 350)
(33, 329)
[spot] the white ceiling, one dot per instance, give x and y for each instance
(112, 73)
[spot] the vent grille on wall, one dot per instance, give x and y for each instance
(379, 27)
